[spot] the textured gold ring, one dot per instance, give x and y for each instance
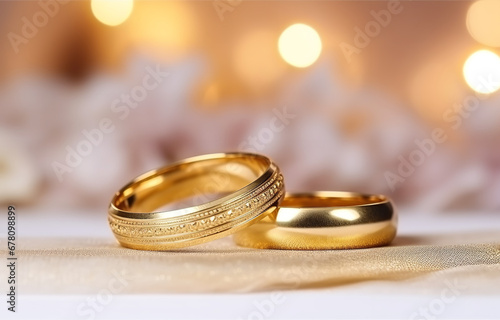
(251, 186)
(324, 220)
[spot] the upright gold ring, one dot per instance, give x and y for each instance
(324, 220)
(252, 187)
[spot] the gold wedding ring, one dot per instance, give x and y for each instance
(252, 187)
(324, 220)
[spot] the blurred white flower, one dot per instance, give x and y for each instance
(19, 178)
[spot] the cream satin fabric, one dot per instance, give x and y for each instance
(91, 265)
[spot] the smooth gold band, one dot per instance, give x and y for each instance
(252, 183)
(324, 220)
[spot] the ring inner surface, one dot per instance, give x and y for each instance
(337, 200)
(193, 181)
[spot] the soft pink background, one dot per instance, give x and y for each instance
(352, 121)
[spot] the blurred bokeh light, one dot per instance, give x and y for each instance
(482, 71)
(300, 45)
(112, 12)
(256, 60)
(483, 22)
(165, 30)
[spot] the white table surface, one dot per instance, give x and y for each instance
(366, 300)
